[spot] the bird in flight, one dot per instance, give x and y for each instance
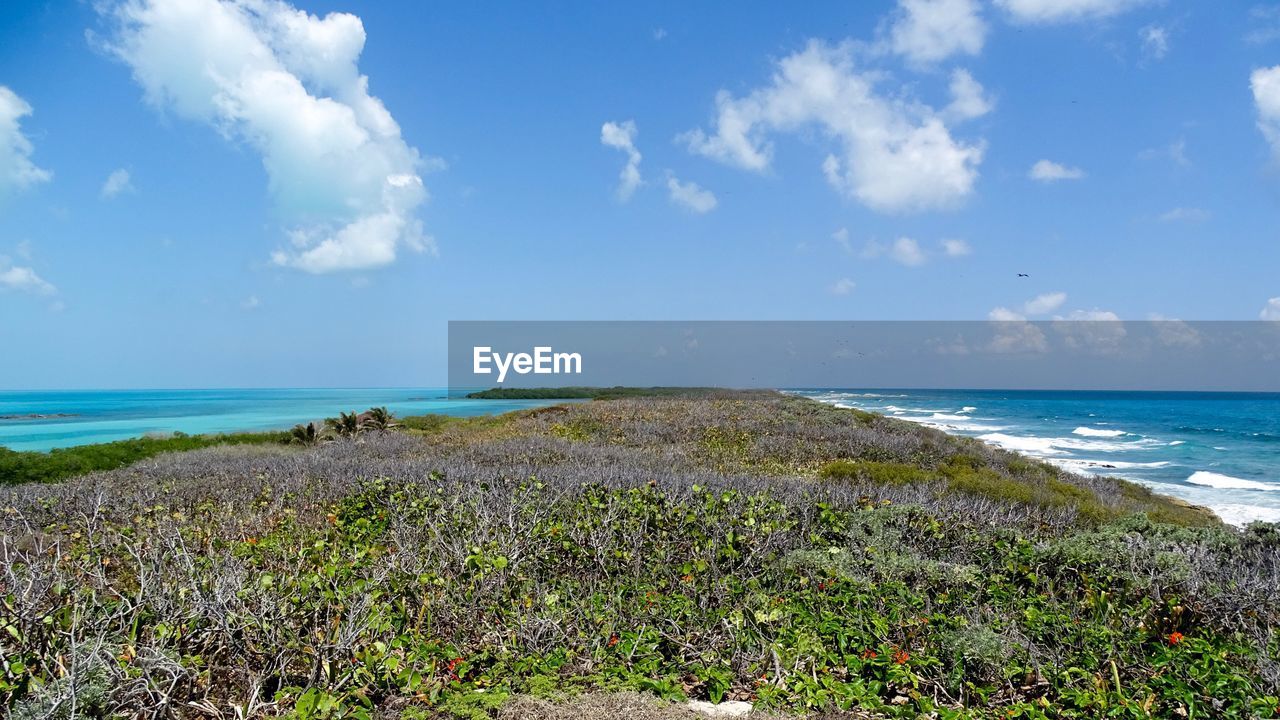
(1023, 275)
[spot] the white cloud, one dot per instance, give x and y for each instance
(17, 172)
(250, 303)
(659, 33)
(623, 136)
(907, 252)
(843, 286)
(1048, 171)
(1055, 11)
(895, 154)
(1266, 94)
(1002, 314)
(1173, 332)
(968, 98)
(1266, 24)
(24, 249)
(691, 195)
(1013, 334)
(1098, 331)
(287, 84)
(1155, 41)
(1044, 304)
(956, 248)
(117, 182)
(22, 279)
(841, 237)
(1271, 311)
(928, 31)
(1185, 214)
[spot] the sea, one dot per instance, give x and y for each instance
(44, 420)
(1218, 450)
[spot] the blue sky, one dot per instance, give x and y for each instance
(205, 193)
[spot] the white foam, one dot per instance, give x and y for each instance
(1241, 515)
(1226, 482)
(1094, 432)
(1091, 466)
(968, 409)
(1177, 442)
(1058, 446)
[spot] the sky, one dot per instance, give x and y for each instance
(254, 193)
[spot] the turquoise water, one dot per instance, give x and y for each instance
(1220, 450)
(94, 416)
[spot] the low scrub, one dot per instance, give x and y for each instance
(464, 573)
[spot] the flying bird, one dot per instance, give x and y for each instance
(1023, 275)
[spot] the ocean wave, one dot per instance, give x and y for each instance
(1094, 432)
(1241, 515)
(1083, 464)
(1177, 442)
(1226, 482)
(968, 409)
(1059, 445)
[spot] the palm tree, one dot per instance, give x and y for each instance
(305, 434)
(379, 418)
(345, 425)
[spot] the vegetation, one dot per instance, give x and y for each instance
(754, 546)
(587, 393)
(62, 463)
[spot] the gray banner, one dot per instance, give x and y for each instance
(1048, 355)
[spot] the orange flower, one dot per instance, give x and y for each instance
(869, 654)
(252, 540)
(613, 640)
(1175, 638)
(901, 657)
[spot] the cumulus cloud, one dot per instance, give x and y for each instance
(287, 84)
(17, 172)
(929, 31)
(1013, 334)
(1271, 311)
(956, 248)
(1047, 171)
(1057, 11)
(968, 98)
(23, 279)
(907, 252)
(843, 286)
(690, 195)
(623, 136)
(1044, 304)
(117, 182)
(1098, 331)
(1266, 95)
(894, 154)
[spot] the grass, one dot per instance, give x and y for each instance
(62, 463)
(556, 562)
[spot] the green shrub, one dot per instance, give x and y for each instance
(886, 473)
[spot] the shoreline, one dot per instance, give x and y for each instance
(1225, 495)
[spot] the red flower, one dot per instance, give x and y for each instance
(613, 640)
(869, 654)
(1175, 638)
(901, 657)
